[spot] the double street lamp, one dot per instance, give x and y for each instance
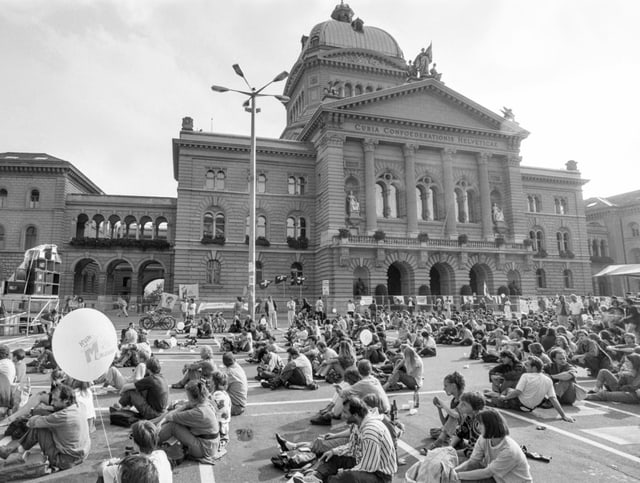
(250, 106)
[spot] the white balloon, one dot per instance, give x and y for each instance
(84, 344)
(180, 326)
(366, 337)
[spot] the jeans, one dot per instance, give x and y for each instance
(329, 468)
(197, 448)
(134, 398)
(360, 477)
(44, 438)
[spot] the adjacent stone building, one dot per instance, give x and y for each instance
(385, 181)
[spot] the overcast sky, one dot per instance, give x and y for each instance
(104, 84)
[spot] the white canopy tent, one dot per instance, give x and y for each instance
(629, 270)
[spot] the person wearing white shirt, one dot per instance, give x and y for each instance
(7, 367)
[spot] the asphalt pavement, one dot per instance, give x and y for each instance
(603, 445)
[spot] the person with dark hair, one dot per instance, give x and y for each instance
(496, 455)
(297, 371)
(144, 435)
(150, 395)
(194, 424)
(137, 469)
(237, 386)
(454, 385)
(589, 354)
(505, 375)
(534, 389)
(563, 376)
(63, 435)
(623, 387)
(467, 431)
(18, 356)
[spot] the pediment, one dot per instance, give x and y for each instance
(428, 102)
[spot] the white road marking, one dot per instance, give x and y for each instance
(410, 450)
(616, 434)
(576, 437)
(610, 408)
(206, 473)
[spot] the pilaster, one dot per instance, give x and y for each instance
(409, 151)
(450, 224)
(485, 195)
(515, 198)
(369, 147)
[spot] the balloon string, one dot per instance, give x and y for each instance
(104, 428)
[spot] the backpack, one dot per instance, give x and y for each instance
(436, 466)
(293, 460)
(175, 451)
(123, 417)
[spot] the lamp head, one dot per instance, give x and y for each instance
(283, 99)
(238, 70)
(219, 89)
(281, 76)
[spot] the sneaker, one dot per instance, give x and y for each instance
(313, 386)
(265, 384)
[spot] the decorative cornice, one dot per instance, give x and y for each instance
(235, 148)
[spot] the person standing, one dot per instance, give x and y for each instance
(270, 309)
(122, 307)
(320, 309)
(291, 311)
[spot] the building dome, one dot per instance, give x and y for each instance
(342, 33)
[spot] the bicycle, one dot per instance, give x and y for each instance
(157, 319)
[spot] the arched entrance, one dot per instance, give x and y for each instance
(441, 279)
(119, 278)
(513, 282)
(85, 278)
(149, 271)
(480, 276)
(399, 279)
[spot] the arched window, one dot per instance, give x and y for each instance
(562, 238)
(635, 229)
(561, 205)
(261, 226)
(348, 90)
(386, 197)
(209, 181)
(541, 278)
(296, 227)
(358, 90)
(466, 203)
(368, 89)
(3, 198)
(537, 239)
(595, 248)
(291, 185)
(131, 227)
(214, 269)
(262, 183)
(162, 228)
(426, 199)
(604, 249)
(34, 199)
(568, 278)
(218, 183)
(1, 237)
(213, 225)
(146, 228)
(30, 237)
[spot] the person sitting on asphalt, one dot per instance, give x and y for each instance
(406, 370)
(222, 405)
(325, 416)
(63, 436)
(534, 389)
(495, 456)
(625, 387)
(149, 395)
(507, 374)
(563, 376)
(454, 385)
(114, 378)
(201, 369)
(194, 425)
(144, 435)
(589, 354)
(297, 372)
(467, 431)
(237, 383)
(270, 366)
(41, 401)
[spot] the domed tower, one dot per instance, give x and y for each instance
(340, 58)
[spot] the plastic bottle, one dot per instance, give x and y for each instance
(394, 410)
(416, 397)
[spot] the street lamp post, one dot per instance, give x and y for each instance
(250, 106)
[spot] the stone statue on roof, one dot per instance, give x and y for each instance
(508, 114)
(422, 61)
(342, 13)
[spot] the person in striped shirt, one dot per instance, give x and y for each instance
(374, 451)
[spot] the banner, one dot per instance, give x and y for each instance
(217, 306)
(168, 300)
(421, 300)
(188, 291)
(366, 300)
(398, 299)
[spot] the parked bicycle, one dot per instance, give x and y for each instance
(157, 319)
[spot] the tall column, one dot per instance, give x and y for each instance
(450, 224)
(330, 184)
(370, 184)
(515, 198)
(409, 151)
(485, 195)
